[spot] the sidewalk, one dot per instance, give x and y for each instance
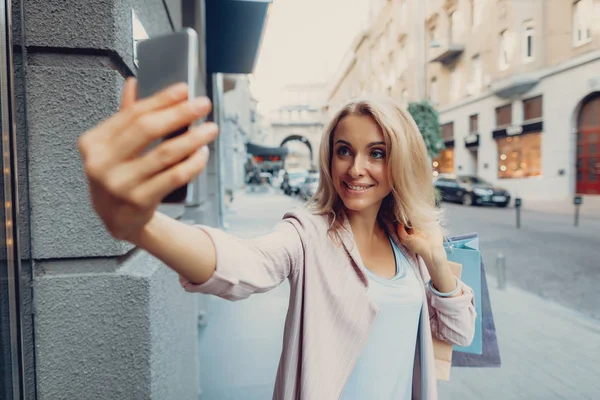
(590, 207)
(548, 351)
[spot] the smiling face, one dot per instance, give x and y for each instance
(359, 164)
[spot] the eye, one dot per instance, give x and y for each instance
(378, 154)
(343, 151)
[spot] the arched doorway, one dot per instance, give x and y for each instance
(588, 146)
(303, 140)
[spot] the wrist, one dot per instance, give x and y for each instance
(436, 259)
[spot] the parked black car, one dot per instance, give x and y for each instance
(471, 190)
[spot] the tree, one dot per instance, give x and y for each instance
(427, 120)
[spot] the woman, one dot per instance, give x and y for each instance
(370, 282)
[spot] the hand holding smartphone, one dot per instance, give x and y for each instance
(163, 61)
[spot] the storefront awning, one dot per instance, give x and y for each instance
(263, 151)
(234, 30)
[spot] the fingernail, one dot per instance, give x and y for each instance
(205, 150)
(200, 103)
(179, 89)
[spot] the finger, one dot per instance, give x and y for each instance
(114, 126)
(129, 93)
(402, 234)
(157, 188)
(174, 150)
(153, 126)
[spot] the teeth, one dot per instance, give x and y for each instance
(358, 188)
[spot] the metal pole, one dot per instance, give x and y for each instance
(518, 210)
(501, 271)
(218, 113)
(577, 215)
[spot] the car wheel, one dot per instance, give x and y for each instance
(503, 205)
(467, 199)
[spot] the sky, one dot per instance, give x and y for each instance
(304, 42)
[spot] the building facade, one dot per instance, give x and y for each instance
(242, 125)
(82, 314)
(298, 124)
(516, 84)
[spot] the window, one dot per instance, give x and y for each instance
(404, 11)
(456, 26)
(476, 12)
(432, 34)
(454, 84)
(402, 58)
(582, 22)
(504, 115)
(503, 51)
(532, 108)
(448, 132)
(474, 123)
(520, 156)
(433, 91)
(477, 74)
(528, 38)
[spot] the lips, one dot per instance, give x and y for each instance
(356, 187)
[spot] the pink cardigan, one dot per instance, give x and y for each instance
(330, 314)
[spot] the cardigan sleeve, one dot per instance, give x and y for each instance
(452, 319)
(248, 266)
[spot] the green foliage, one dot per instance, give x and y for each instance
(427, 120)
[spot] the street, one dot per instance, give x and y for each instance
(548, 351)
(548, 256)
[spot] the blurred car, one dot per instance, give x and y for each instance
(471, 190)
(309, 186)
(295, 178)
(266, 178)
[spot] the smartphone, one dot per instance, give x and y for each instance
(163, 61)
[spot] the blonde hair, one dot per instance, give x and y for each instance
(412, 198)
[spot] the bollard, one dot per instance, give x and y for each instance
(518, 209)
(501, 271)
(577, 200)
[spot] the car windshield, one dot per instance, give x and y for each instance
(473, 180)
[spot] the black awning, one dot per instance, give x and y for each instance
(257, 150)
(234, 30)
(517, 130)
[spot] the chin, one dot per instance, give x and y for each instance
(359, 205)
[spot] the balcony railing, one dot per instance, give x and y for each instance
(445, 53)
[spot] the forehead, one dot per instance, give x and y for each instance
(358, 129)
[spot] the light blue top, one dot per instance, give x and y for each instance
(384, 370)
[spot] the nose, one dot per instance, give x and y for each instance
(357, 169)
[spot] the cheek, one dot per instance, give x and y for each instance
(337, 168)
(380, 172)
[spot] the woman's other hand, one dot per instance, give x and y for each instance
(127, 182)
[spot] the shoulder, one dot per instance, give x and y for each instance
(307, 222)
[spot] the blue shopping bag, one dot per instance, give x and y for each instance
(465, 251)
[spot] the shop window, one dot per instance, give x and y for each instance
(474, 123)
(504, 115)
(532, 108)
(444, 162)
(448, 132)
(520, 156)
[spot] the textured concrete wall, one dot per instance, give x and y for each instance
(130, 334)
(110, 322)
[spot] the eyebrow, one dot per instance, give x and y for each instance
(369, 145)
